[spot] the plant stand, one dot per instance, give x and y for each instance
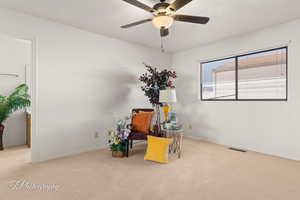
(176, 145)
(1, 137)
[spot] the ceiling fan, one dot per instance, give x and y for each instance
(164, 15)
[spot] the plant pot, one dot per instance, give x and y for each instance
(1, 137)
(117, 154)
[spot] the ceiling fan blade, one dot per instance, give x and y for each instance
(191, 19)
(164, 32)
(177, 4)
(136, 23)
(140, 5)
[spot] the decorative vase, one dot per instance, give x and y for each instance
(1, 137)
(117, 154)
(157, 126)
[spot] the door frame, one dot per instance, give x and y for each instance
(33, 85)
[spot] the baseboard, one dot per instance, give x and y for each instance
(195, 137)
(67, 154)
(248, 149)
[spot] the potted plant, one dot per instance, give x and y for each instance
(19, 99)
(118, 138)
(154, 81)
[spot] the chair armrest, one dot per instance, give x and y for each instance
(129, 126)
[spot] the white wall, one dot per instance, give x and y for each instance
(268, 127)
(14, 55)
(83, 80)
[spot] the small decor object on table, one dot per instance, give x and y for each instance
(176, 133)
(173, 117)
(118, 138)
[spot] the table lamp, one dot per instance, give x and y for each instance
(167, 97)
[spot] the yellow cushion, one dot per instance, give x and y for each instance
(158, 149)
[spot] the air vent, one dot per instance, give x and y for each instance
(236, 149)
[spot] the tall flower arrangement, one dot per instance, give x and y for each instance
(154, 80)
(118, 137)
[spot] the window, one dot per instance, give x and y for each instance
(256, 76)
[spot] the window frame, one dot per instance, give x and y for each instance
(236, 77)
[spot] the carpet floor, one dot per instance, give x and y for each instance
(205, 172)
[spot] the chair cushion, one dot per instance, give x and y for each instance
(158, 149)
(137, 136)
(141, 122)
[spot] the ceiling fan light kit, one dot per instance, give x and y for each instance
(163, 21)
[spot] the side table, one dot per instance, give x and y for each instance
(176, 145)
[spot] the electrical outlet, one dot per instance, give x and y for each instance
(96, 134)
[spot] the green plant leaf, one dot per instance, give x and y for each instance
(19, 99)
(156, 80)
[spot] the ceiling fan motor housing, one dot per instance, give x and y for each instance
(161, 6)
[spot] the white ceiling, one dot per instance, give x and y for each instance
(228, 18)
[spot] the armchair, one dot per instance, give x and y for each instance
(134, 135)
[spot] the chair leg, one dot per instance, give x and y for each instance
(127, 148)
(131, 142)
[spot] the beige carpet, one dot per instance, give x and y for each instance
(206, 172)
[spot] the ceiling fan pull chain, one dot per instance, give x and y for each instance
(162, 45)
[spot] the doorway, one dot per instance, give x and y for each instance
(16, 61)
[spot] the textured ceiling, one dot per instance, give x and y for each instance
(228, 18)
